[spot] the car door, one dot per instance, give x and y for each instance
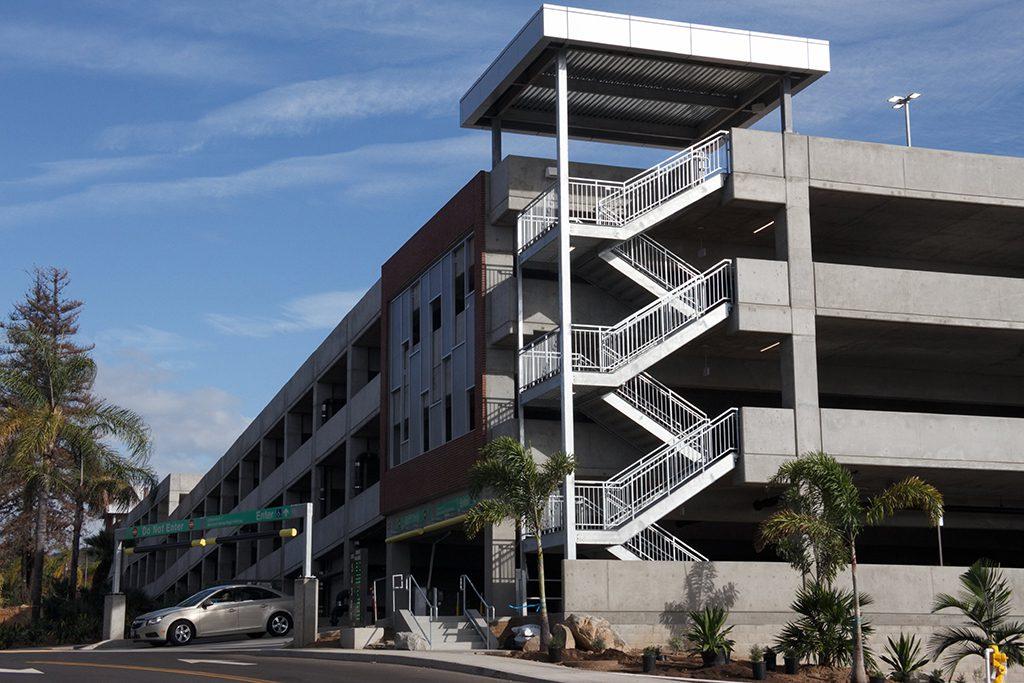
(220, 614)
(254, 609)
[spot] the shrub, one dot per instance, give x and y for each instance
(756, 654)
(557, 640)
(599, 644)
(904, 657)
(708, 632)
(676, 643)
(652, 650)
(825, 627)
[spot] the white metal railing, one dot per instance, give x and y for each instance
(611, 503)
(553, 517)
(661, 404)
(539, 216)
(651, 188)
(539, 359)
(408, 583)
(486, 610)
(615, 203)
(655, 544)
(600, 348)
(655, 261)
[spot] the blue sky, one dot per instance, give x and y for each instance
(223, 179)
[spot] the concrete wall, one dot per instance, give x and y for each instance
(915, 296)
(872, 168)
(647, 602)
(883, 438)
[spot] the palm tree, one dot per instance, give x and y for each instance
(102, 546)
(105, 476)
(839, 514)
(520, 490)
(984, 600)
(37, 429)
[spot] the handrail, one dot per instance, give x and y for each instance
(539, 359)
(408, 583)
(606, 348)
(615, 203)
(488, 614)
(656, 544)
(655, 261)
(656, 475)
(661, 404)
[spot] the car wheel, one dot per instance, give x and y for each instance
(257, 634)
(279, 625)
(181, 633)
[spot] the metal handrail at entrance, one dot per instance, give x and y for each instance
(487, 612)
(408, 583)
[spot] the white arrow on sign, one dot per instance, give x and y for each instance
(216, 661)
(20, 671)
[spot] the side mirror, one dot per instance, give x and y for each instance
(205, 605)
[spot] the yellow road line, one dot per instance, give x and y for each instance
(185, 672)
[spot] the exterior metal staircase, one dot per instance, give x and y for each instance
(693, 451)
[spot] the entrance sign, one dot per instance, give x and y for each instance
(178, 526)
(431, 513)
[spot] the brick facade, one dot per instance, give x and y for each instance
(444, 469)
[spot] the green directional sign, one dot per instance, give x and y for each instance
(177, 526)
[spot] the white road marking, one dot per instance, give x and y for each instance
(20, 671)
(216, 661)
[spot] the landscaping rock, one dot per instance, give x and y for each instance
(405, 640)
(587, 630)
(532, 644)
(570, 640)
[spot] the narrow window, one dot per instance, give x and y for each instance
(416, 326)
(426, 426)
(471, 409)
(435, 314)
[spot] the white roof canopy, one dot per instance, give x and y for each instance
(639, 80)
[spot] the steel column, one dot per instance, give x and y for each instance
(565, 298)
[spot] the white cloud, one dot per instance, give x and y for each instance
(299, 108)
(435, 162)
(191, 428)
(69, 171)
(144, 338)
(314, 312)
(122, 53)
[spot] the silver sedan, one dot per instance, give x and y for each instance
(217, 611)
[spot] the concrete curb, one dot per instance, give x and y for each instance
(108, 644)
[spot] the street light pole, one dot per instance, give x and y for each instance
(903, 103)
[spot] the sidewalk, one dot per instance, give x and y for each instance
(474, 663)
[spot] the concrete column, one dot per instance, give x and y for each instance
(307, 590)
(793, 244)
(113, 616)
(565, 297)
(499, 587)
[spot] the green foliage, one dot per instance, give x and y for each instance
(984, 601)
(676, 643)
(519, 488)
(936, 676)
(825, 627)
(652, 650)
(599, 644)
(903, 657)
(708, 632)
(823, 513)
(557, 640)
(756, 654)
(519, 491)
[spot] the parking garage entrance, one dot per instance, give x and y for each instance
(429, 544)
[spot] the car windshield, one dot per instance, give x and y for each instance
(197, 598)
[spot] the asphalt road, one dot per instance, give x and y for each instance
(171, 664)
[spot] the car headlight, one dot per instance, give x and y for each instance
(154, 620)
